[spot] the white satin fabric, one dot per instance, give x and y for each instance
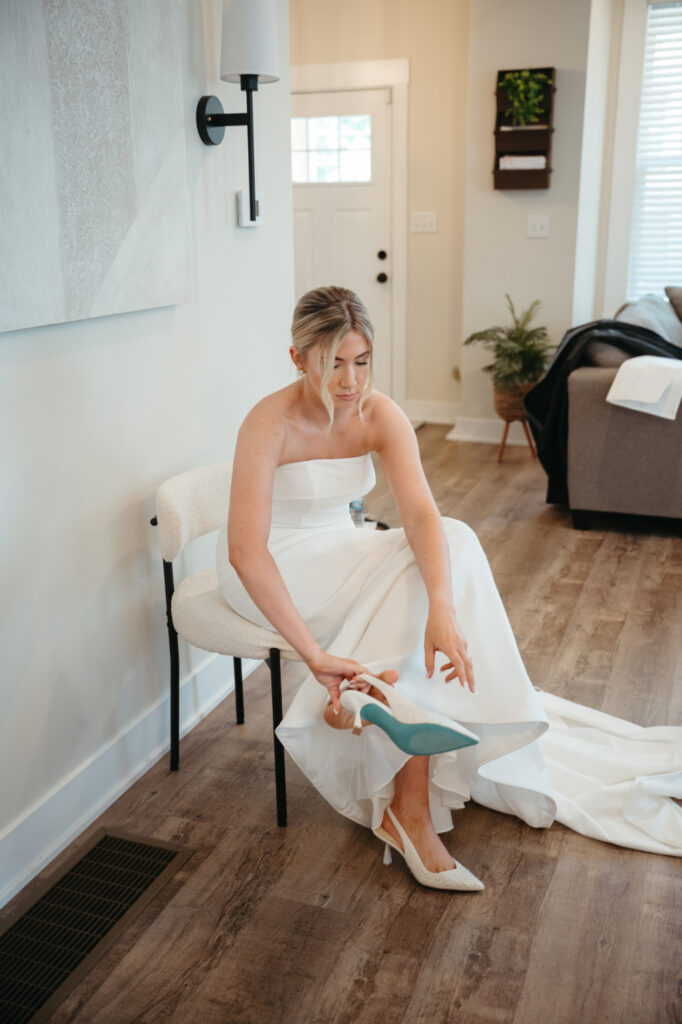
(539, 757)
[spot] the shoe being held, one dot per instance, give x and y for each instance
(412, 728)
(457, 878)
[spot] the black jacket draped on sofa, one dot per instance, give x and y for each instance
(547, 403)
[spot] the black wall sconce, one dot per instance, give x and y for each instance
(249, 56)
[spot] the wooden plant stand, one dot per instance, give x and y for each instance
(509, 407)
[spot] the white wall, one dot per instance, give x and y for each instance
(498, 257)
(94, 415)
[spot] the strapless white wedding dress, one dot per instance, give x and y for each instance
(539, 757)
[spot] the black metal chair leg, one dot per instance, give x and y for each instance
(238, 690)
(175, 672)
(174, 706)
(280, 779)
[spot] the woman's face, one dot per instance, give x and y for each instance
(351, 370)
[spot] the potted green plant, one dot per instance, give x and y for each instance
(520, 359)
(525, 91)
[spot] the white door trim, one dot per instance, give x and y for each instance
(376, 74)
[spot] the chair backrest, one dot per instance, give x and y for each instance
(192, 504)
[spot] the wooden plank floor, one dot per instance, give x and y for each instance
(304, 925)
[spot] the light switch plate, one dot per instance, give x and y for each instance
(243, 214)
(538, 225)
(424, 223)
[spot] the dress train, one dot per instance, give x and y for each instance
(539, 757)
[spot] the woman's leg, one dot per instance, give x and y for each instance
(411, 796)
(410, 805)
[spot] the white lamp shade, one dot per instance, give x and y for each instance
(249, 40)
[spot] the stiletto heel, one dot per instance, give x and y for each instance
(411, 727)
(457, 878)
(388, 856)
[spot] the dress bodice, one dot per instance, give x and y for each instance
(317, 492)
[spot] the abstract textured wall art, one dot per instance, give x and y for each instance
(94, 207)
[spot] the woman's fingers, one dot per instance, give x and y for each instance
(334, 694)
(470, 673)
(459, 670)
(429, 656)
(389, 676)
(466, 672)
(462, 670)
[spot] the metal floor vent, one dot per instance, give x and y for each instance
(47, 947)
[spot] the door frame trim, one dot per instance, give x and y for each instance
(376, 74)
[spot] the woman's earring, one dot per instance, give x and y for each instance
(300, 372)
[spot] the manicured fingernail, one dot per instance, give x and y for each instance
(336, 711)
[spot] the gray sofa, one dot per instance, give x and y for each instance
(619, 460)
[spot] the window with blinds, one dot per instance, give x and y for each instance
(656, 234)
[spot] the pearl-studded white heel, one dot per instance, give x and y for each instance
(411, 727)
(458, 878)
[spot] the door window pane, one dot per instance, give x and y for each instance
(299, 167)
(323, 133)
(323, 166)
(331, 149)
(299, 133)
(356, 165)
(355, 132)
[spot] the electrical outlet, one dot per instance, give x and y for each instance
(424, 223)
(538, 225)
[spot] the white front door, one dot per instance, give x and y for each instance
(342, 229)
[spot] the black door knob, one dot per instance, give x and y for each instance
(381, 254)
(382, 277)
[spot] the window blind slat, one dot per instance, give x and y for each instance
(656, 231)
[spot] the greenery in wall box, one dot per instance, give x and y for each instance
(525, 92)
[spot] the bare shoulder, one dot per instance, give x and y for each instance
(273, 408)
(264, 427)
(385, 420)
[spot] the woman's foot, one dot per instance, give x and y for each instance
(456, 878)
(344, 720)
(425, 839)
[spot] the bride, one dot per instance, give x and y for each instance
(416, 698)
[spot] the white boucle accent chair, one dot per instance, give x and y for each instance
(188, 506)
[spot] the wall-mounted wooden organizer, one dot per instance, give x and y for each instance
(526, 140)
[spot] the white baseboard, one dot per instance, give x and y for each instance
(468, 428)
(31, 841)
(420, 410)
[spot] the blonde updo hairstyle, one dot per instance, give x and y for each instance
(325, 316)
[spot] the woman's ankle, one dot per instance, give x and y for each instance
(408, 814)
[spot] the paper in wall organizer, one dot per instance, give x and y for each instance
(523, 163)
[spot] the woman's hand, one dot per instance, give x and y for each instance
(330, 672)
(443, 634)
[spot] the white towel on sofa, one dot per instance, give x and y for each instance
(650, 384)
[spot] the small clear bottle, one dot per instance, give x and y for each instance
(357, 512)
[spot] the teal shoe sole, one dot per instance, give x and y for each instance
(420, 739)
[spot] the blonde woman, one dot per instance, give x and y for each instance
(415, 610)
